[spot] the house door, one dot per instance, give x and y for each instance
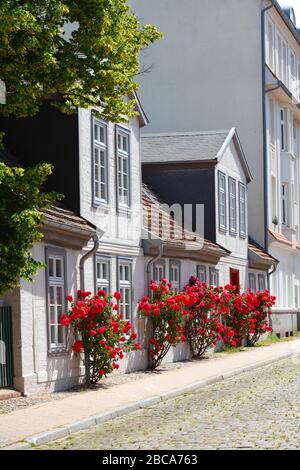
(6, 357)
(235, 279)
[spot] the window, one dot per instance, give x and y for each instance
(125, 289)
(175, 274)
(284, 204)
(201, 273)
(293, 73)
(272, 124)
(213, 277)
(232, 204)
(261, 282)
(56, 294)
(100, 162)
(279, 64)
(103, 274)
(252, 282)
(242, 209)
(270, 45)
(283, 129)
(284, 63)
(222, 201)
(158, 271)
(123, 176)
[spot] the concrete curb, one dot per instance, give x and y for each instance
(87, 423)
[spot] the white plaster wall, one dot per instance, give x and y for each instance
(206, 75)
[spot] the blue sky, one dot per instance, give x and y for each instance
(295, 4)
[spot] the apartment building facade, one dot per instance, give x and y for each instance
(235, 63)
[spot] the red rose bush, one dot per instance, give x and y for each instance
(100, 331)
(165, 310)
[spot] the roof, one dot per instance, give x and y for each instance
(288, 22)
(187, 147)
(66, 219)
(161, 225)
(258, 257)
(279, 237)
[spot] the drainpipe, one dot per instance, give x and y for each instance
(265, 152)
(81, 283)
(269, 274)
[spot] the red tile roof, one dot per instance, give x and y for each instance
(279, 237)
(161, 224)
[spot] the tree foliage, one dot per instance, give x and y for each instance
(72, 53)
(21, 201)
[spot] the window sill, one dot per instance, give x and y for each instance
(123, 210)
(223, 229)
(63, 351)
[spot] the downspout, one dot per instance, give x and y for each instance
(81, 283)
(265, 150)
(269, 274)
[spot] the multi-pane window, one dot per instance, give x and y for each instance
(293, 73)
(103, 274)
(261, 282)
(213, 277)
(283, 129)
(158, 271)
(284, 204)
(56, 300)
(175, 274)
(252, 282)
(270, 45)
(232, 205)
(100, 161)
(201, 273)
(242, 209)
(222, 201)
(123, 162)
(125, 289)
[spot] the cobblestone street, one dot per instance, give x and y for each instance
(257, 410)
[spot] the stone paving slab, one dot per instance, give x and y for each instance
(58, 415)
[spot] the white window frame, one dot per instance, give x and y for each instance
(125, 286)
(100, 171)
(158, 270)
(284, 204)
(270, 36)
(201, 273)
(222, 201)
(283, 130)
(213, 277)
(232, 204)
(102, 281)
(175, 266)
(242, 210)
(123, 160)
(56, 282)
(261, 282)
(252, 282)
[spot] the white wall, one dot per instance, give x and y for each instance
(206, 75)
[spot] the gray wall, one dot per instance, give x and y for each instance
(206, 75)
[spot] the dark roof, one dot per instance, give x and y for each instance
(62, 217)
(190, 146)
(161, 225)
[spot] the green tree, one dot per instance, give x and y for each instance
(21, 204)
(71, 53)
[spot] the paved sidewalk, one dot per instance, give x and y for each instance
(63, 416)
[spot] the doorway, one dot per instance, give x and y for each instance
(235, 279)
